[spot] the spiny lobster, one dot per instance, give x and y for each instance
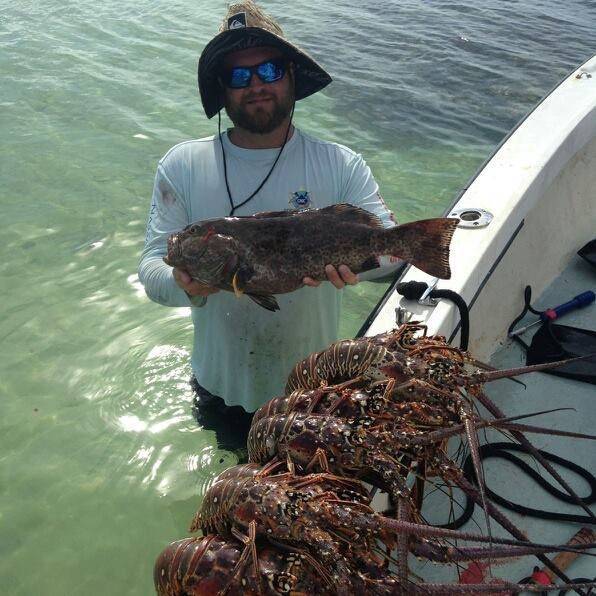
(429, 371)
(211, 565)
(422, 366)
(332, 516)
(290, 509)
(381, 409)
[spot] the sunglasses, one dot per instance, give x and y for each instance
(239, 77)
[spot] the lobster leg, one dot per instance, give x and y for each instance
(439, 435)
(392, 475)
(452, 554)
(493, 375)
(472, 437)
(323, 545)
(304, 554)
(501, 588)
(544, 431)
(319, 458)
(336, 404)
(319, 395)
(359, 517)
(403, 514)
(250, 550)
(472, 492)
(497, 413)
(270, 468)
(418, 386)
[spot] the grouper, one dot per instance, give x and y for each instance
(272, 252)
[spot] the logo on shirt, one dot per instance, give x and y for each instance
(300, 199)
(237, 21)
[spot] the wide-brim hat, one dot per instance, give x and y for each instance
(247, 26)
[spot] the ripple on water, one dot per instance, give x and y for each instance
(103, 460)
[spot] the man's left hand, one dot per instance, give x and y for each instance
(338, 277)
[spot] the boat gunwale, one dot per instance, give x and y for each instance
(516, 226)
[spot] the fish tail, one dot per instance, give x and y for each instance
(424, 244)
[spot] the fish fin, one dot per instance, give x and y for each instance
(239, 276)
(237, 285)
(267, 301)
(370, 263)
(424, 244)
(228, 266)
(284, 213)
(350, 213)
(343, 211)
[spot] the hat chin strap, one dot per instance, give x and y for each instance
(225, 165)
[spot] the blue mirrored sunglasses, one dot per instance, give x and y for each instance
(239, 77)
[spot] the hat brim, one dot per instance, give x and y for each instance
(309, 76)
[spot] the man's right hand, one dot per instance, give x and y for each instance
(190, 286)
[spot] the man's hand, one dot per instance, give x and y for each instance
(191, 287)
(338, 277)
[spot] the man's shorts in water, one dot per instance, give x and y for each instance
(230, 423)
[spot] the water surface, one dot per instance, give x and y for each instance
(101, 463)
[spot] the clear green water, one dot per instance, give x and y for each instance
(101, 463)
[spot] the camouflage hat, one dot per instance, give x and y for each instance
(247, 26)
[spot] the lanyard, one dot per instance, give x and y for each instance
(225, 165)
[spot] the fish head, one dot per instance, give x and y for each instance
(210, 258)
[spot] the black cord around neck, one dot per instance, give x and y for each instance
(225, 165)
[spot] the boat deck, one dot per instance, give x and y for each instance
(542, 392)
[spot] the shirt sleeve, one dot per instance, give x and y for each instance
(361, 189)
(169, 213)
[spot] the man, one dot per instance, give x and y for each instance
(243, 352)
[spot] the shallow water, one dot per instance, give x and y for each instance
(101, 463)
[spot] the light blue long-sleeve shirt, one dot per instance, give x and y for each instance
(241, 351)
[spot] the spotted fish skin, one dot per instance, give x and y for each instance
(272, 252)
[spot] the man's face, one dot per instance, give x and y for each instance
(261, 107)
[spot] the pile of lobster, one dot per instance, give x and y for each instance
(375, 412)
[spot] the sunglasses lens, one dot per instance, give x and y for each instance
(270, 72)
(238, 77)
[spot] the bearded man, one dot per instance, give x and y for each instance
(241, 351)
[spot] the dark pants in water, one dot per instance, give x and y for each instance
(230, 423)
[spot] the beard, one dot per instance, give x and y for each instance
(262, 119)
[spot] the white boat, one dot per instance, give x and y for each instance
(524, 216)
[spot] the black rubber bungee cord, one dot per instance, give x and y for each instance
(413, 290)
(502, 450)
(527, 308)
